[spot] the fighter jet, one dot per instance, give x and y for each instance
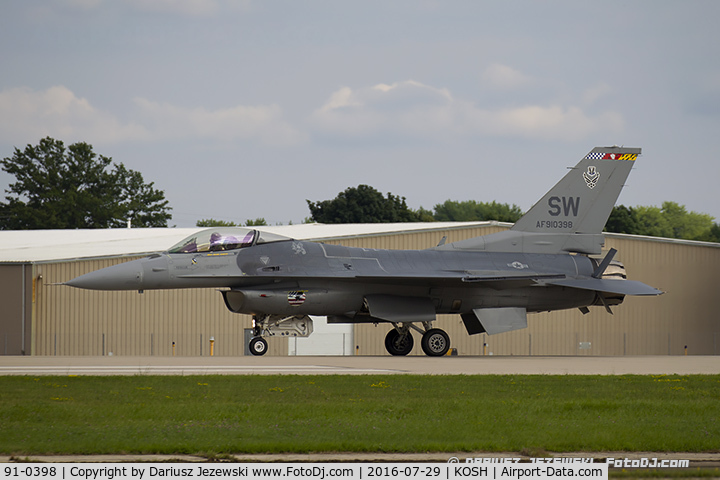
(546, 261)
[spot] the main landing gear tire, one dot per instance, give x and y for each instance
(435, 342)
(397, 344)
(258, 346)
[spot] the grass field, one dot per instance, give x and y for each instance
(399, 413)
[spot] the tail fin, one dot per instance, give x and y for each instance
(582, 201)
(571, 216)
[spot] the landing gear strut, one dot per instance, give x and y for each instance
(399, 341)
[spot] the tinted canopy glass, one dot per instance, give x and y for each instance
(227, 238)
(215, 239)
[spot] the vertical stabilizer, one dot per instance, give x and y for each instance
(572, 215)
(582, 201)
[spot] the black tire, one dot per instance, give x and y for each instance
(395, 345)
(258, 346)
(435, 342)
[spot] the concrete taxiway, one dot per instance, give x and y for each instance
(360, 365)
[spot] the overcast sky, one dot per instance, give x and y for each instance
(245, 109)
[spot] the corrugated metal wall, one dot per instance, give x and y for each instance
(684, 316)
(69, 321)
(16, 310)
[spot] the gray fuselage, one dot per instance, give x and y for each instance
(306, 278)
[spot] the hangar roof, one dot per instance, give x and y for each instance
(28, 246)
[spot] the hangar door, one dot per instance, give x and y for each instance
(333, 339)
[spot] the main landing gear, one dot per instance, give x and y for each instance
(399, 341)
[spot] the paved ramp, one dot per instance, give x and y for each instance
(360, 365)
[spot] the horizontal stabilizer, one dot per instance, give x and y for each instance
(621, 287)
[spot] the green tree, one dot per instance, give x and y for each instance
(362, 204)
(684, 224)
(258, 222)
(211, 222)
(57, 187)
(650, 221)
(713, 235)
(671, 220)
(622, 220)
(425, 215)
(470, 210)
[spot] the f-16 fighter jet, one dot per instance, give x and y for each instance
(542, 263)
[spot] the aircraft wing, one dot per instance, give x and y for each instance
(489, 277)
(622, 287)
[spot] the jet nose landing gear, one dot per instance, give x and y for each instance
(258, 346)
(282, 325)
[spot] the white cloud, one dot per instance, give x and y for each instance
(403, 107)
(340, 99)
(183, 7)
(83, 4)
(504, 77)
(595, 93)
(28, 115)
(188, 8)
(416, 110)
(400, 94)
(553, 122)
(263, 123)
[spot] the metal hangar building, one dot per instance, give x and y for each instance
(39, 317)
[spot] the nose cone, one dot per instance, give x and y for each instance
(126, 276)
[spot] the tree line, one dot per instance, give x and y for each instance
(71, 187)
(364, 204)
(59, 187)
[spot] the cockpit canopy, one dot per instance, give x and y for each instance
(228, 238)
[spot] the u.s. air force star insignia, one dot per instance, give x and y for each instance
(591, 177)
(518, 265)
(298, 248)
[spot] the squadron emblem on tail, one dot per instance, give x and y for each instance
(591, 177)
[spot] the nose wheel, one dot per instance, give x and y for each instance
(258, 346)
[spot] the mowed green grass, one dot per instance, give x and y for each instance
(398, 413)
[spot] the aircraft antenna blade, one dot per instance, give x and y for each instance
(598, 273)
(602, 298)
